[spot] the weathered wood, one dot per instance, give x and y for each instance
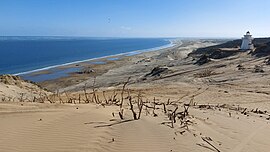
(210, 144)
(122, 93)
(132, 110)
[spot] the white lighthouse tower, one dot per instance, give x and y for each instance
(247, 42)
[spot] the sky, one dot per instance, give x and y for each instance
(135, 18)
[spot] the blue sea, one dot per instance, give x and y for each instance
(21, 55)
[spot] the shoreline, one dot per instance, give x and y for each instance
(115, 72)
(131, 53)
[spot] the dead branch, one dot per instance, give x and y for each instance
(140, 106)
(47, 97)
(122, 93)
(243, 112)
(121, 114)
(79, 98)
(85, 94)
(69, 100)
(204, 139)
(94, 91)
(104, 96)
(131, 108)
(164, 108)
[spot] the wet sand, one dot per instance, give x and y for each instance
(129, 66)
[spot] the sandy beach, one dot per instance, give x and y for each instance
(154, 101)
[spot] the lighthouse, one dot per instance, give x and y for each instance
(247, 42)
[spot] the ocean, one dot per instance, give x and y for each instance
(22, 55)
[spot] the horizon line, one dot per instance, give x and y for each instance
(77, 36)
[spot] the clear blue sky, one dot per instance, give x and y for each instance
(134, 18)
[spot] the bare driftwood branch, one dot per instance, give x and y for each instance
(104, 96)
(121, 114)
(122, 93)
(140, 105)
(68, 98)
(48, 98)
(79, 98)
(164, 107)
(85, 94)
(131, 108)
(203, 138)
(94, 91)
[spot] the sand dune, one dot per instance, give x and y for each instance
(228, 102)
(85, 128)
(13, 88)
(54, 129)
